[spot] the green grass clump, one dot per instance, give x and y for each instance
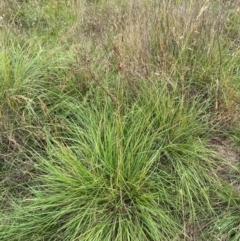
(122, 174)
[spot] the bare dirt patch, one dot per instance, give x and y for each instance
(228, 170)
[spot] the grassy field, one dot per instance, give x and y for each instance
(119, 120)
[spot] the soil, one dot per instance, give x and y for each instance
(229, 171)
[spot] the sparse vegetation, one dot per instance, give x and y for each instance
(119, 120)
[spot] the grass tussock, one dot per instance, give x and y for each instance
(108, 176)
(119, 120)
